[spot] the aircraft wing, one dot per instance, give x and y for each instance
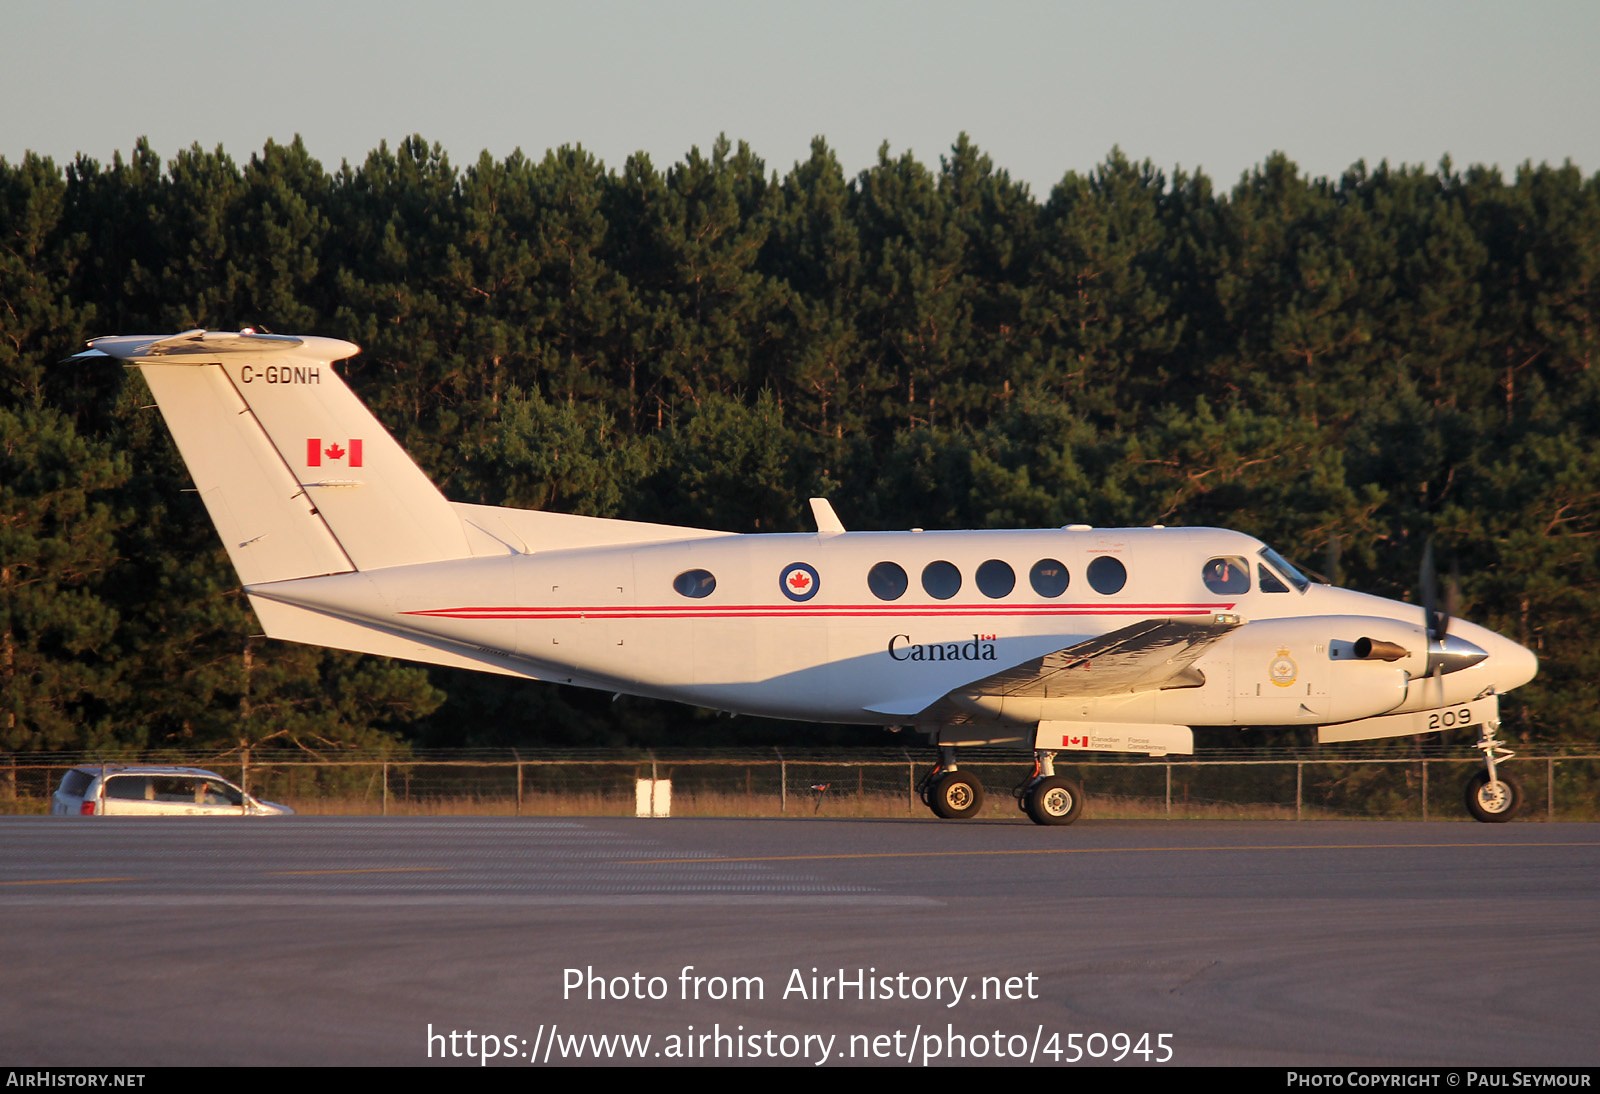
(1143, 656)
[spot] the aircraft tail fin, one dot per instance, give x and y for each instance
(298, 476)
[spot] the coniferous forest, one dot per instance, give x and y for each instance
(1344, 367)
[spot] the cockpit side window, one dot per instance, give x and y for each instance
(1285, 569)
(1227, 574)
(1269, 580)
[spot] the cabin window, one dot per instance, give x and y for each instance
(941, 580)
(996, 579)
(1269, 580)
(695, 583)
(1107, 575)
(1227, 575)
(888, 581)
(1049, 577)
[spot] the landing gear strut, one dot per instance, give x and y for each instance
(1046, 797)
(1049, 798)
(1493, 796)
(951, 794)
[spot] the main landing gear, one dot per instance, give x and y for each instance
(1046, 797)
(1493, 796)
(951, 794)
(1049, 798)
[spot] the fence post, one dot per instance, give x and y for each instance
(1424, 791)
(1299, 789)
(519, 786)
(1549, 788)
(911, 785)
(1169, 789)
(386, 788)
(783, 783)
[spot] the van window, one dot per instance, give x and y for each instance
(129, 788)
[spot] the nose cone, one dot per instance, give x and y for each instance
(1509, 664)
(1520, 665)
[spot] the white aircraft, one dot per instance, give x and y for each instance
(1056, 640)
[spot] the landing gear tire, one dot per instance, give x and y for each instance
(1054, 799)
(1493, 801)
(955, 795)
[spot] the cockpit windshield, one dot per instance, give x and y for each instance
(1299, 580)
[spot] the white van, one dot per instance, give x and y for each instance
(121, 790)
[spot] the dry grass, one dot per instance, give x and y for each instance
(997, 806)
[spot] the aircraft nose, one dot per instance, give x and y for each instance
(1515, 665)
(1511, 664)
(1508, 664)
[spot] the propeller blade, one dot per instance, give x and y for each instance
(1330, 561)
(1429, 580)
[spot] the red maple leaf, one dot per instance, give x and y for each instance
(334, 452)
(799, 580)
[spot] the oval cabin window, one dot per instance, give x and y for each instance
(1107, 575)
(996, 579)
(695, 583)
(1049, 577)
(941, 580)
(887, 581)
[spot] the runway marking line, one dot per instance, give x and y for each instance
(68, 881)
(364, 870)
(1090, 851)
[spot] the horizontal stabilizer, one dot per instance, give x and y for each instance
(293, 623)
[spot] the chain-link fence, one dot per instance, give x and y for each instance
(1556, 784)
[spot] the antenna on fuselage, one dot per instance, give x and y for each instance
(828, 522)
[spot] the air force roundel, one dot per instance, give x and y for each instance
(799, 581)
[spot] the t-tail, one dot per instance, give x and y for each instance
(297, 475)
(303, 483)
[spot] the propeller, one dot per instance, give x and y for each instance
(1434, 622)
(1443, 656)
(1331, 560)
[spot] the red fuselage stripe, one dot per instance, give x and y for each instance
(754, 611)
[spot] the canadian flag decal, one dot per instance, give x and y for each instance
(316, 451)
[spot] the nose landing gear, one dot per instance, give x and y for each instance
(1493, 796)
